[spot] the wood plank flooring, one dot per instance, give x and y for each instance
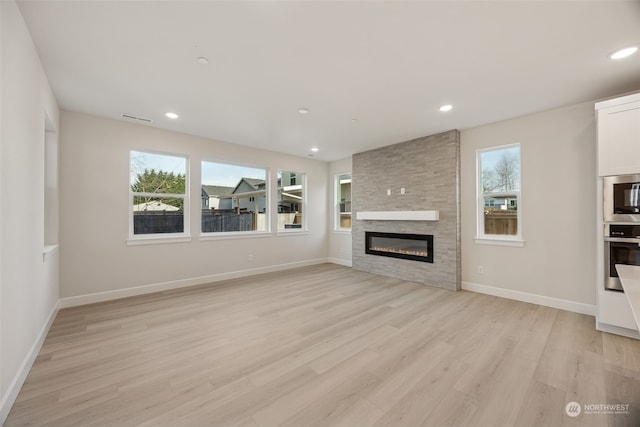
(326, 346)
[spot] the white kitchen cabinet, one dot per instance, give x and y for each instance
(619, 135)
(614, 310)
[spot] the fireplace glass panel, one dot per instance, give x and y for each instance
(417, 247)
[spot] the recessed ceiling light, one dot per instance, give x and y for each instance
(303, 111)
(446, 108)
(171, 115)
(624, 53)
(315, 149)
(203, 60)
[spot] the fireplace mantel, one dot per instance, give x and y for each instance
(398, 215)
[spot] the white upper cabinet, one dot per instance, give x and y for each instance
(619, 135)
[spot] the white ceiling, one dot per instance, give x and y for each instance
(389, 65)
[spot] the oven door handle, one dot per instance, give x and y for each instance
(623, 240)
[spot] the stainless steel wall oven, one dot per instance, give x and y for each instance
(621, 246)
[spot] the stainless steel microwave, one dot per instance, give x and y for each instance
(621, 198)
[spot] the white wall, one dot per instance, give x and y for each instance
(339, 241)
(556, 265)
(28, 281)
(558, 209)
(95, 257)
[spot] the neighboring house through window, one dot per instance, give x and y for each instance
(237, 198)
(291, 200)
(499, 193)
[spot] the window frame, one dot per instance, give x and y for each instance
(301, 180)
(155, 238)
(221, 235)
(497, 239)
(337, 193)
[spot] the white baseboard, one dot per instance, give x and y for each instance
(183, 283)
(14, 388)
(345, 262)
(629, 333)
(561, 304)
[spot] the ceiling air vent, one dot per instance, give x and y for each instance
(137, 118)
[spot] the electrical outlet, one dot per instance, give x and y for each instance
(388, 191)
(402, 190)
(250, 257)
(480, 269)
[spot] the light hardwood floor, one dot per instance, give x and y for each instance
(325, 346)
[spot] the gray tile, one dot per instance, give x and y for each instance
(428, 168)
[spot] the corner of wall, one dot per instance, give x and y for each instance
(11, 394)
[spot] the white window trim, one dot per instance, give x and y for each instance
(517, 243)
(160, 238)
(294, 231)
(48, 251)
(336, 205)
(155, 239)
(230, 235)
(496, 239)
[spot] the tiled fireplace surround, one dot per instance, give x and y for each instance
(428, 169)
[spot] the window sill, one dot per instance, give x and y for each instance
(49, 250)
(157, 240)
(286, 233)
(343, 231)
(517, 243)
(233, 235)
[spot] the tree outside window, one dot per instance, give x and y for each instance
(499, 192)
(159, 196)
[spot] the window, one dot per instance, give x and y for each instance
(291, 200)
(158, 194)
(236, 198)
(499, 193)
(343, 202)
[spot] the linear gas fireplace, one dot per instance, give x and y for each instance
(416, 247)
